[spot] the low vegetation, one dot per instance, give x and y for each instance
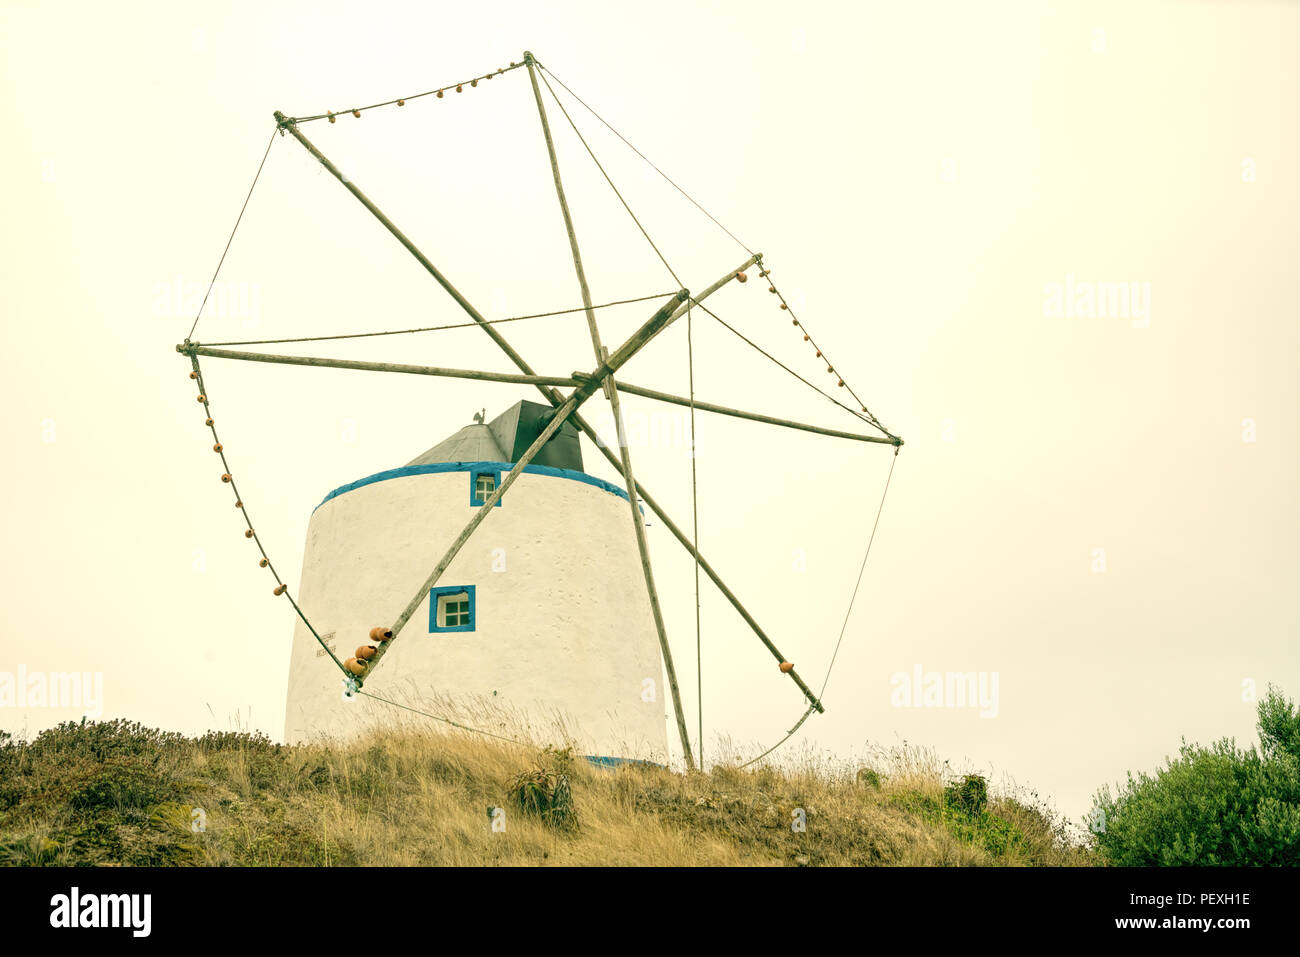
(1216, 805)
(116, 793)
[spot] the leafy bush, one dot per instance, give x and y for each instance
(102, 741)
(995, 834)
(118, 786)
(966, 815)
(1279, 725)
(1216, 805)
(969, 795)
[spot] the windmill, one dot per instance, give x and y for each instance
(525, 445)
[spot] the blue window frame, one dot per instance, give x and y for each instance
(482, 483)
(451, 608)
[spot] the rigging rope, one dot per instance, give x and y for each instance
(892, 462)
(435, 717)
(695, 536)
(455, 325)
(773, 358)
(785, 306)
(238, 219)
(765, 272)
(228, 477)
(583, 141)
(789, 734)
(647, 159)
(401, 100)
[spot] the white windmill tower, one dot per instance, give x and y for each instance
(547, 614)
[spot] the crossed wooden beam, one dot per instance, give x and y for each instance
(565, 409)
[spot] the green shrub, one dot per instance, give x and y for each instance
(969, 795)
(254, 742)
(995, 834)
(1279, 725)
(1216, 805)
(102, 741)
(118, 786)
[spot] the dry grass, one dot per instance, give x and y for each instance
(120, 794)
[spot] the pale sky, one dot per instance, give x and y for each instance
(1099, 510)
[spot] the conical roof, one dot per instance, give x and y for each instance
(474, 443)
(506, 438)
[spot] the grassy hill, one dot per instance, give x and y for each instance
(115, 793)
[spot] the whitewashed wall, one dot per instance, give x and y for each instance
(564, 631)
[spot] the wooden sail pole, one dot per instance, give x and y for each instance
(549, 392)
(198, 349)
(648, 331)
(752, 416)
(286, 123)
(625, 454)
(704, 565)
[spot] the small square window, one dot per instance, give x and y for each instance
(451, 608)
(481, 486)
(453, 611)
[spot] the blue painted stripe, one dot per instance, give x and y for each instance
(436, 467)
(605, 761)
